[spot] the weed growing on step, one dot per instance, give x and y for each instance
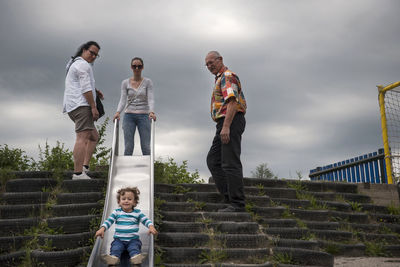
(179, 189)
(198, 206)
(261, 191)
(332, 248)
(212, 256)
(250, 208)
(300, 223)
(257, 260)
(355, 206)
(158, 202)
(340, 198)
(283, 258)
(101, 153)
(297, 185)
(315, 204)
(5, 176)
(158, 255)
(393, 209)
(308, 236)
(375, 249)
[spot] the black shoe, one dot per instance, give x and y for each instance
(232, 209)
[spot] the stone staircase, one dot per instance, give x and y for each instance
(287, 223)
(49, 220)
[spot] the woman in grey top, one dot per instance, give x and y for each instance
(137, 99)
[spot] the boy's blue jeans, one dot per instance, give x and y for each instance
(142, 122)
(133, 247)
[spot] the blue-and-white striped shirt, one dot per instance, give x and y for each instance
(126, 223)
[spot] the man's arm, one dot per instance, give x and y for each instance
(230, 114)
(89, 98)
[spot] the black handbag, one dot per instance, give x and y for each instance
(99, 106)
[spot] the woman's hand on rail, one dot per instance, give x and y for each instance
(116, 116)
(152, 116)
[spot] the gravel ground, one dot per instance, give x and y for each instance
(366, 262)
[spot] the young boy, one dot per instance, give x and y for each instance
(126, 219)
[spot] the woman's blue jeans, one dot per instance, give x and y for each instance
(142, 122)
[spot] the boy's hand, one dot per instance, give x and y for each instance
(152, 230)
(100, 232)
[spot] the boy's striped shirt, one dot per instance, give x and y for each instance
(126, 223)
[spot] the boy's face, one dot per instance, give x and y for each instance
(127, 201)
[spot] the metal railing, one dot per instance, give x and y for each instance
(368, 168)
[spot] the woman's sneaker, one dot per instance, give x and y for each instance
(110, 259)
(81, 176)
(137, 259)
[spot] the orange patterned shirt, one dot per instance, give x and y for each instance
(227, 85)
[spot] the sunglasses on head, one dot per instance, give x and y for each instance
(137, 67)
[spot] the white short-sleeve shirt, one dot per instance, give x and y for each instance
(79, 80)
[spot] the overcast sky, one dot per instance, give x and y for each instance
(309, 71)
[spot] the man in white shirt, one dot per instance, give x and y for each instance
(80, 104)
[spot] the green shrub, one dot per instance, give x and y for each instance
(171, 173)
(14, 159)
(55, 158)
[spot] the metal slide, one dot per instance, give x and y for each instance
(128, 171)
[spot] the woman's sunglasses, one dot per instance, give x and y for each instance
(137, 67)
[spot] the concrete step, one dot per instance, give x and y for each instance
(269, 212)
(307, 185)
(287, 233)
(12, 259)
(295, 243)
(190, 255)
(220, 227)
(10, 227)
(72, 224)
(192, 206)
(42, 197)
(279, 222)
(77, 198)
(47, 174)
(312, 225)
(58, 242)
(76, 209)
(271, 192)
(333, 235)
(385, 218)
(24, 198)
(205, 240)
(175, 188)
(12, 243)
(206, 217)
(30, 185)
(31, 210)
(21, 210)
(342, 249)
(306, 257)
(78, 186)
(67, 258)
(45, 184)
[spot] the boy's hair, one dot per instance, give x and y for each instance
(134, 190)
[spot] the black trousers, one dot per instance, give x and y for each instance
(223, 161)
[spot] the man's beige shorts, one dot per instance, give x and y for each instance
(83, 119)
